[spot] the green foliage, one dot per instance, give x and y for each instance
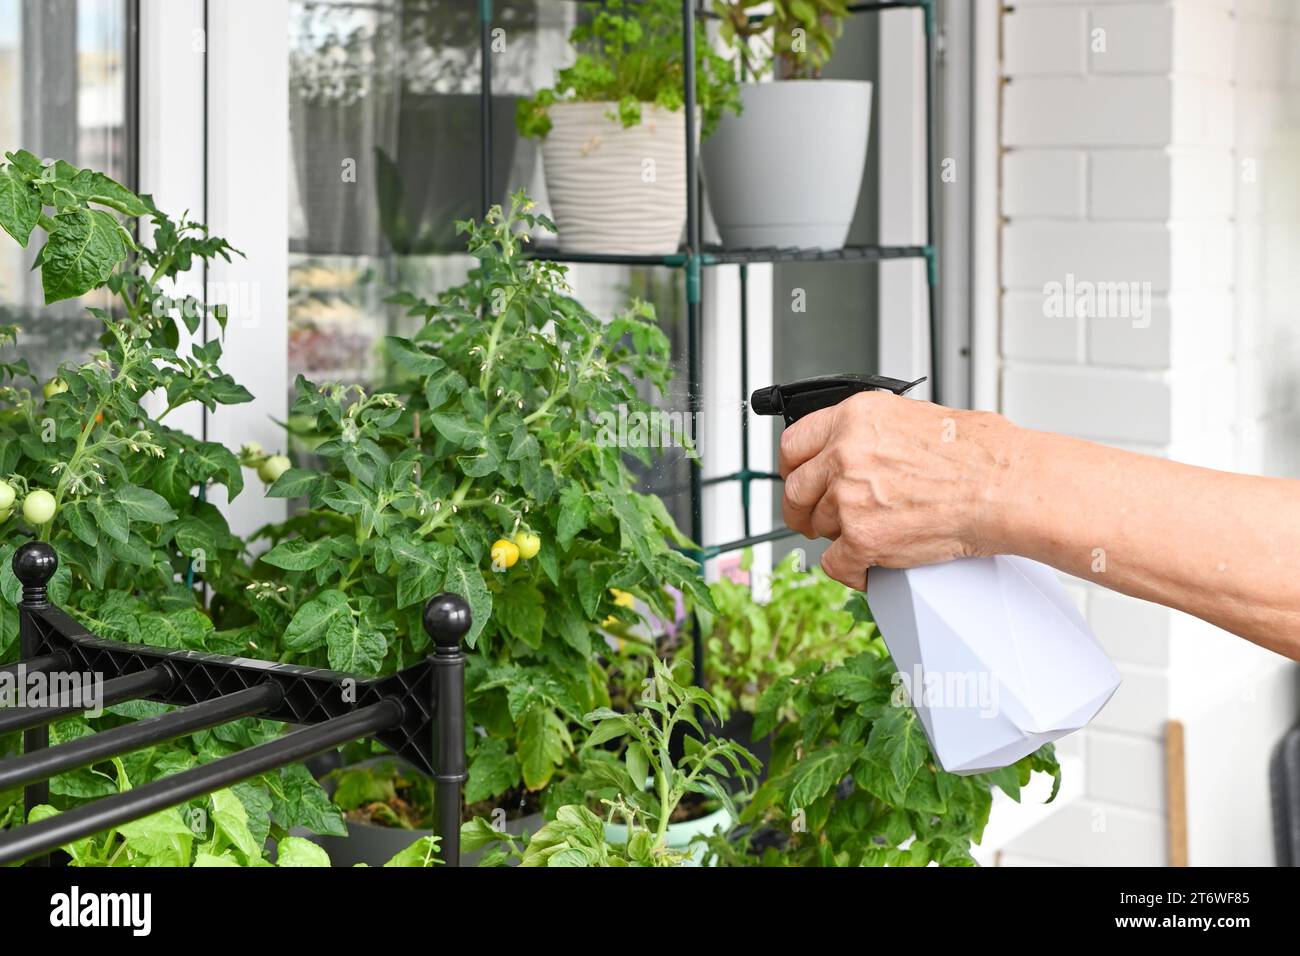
(630, 53)
(853, 780)
(84, 242)
(808, 618)
(489, 427)
(630, 769)
(794, 37)
(135, 534)
(131, 516)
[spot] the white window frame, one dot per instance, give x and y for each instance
(214, 140)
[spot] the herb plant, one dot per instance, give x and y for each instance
(853, 781)
(630, 53)
(478, 469)
(748, 645)
(795, 38)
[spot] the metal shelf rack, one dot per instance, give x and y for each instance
(694, 256)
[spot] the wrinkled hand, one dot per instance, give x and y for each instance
(894, 482)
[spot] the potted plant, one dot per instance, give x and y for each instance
(807, 618)
(614, 135)
(787, 170)
(642, 788)
(853, 781)
(480, 468)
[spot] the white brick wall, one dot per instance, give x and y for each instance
(1131, 131)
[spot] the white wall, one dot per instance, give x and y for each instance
(1126, 128)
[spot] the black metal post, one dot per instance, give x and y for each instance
(932, 251)
(34, 565)
(44, 764)
(99, 815)
(145, 683)
(447, 620)
(485, 99)
(694, 296)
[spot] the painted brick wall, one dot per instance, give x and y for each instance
(1148, 143)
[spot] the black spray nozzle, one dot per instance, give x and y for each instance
(797, 399)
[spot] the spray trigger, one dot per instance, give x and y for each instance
(798, 399)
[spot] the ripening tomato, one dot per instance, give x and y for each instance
(505, 554)
(528, 544)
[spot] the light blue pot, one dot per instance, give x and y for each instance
(680, 835)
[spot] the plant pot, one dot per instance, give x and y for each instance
(374, 845)
(787, 171)
(681, 834)
(614, 189)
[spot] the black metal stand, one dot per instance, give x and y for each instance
(418, 712)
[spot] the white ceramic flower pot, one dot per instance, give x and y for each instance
(614, 189)
(787, 171)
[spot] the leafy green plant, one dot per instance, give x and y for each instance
(793, 37)
(640, 784)
(89, 464)
(807, 618)
(630, 53)
(85, 241)
(853, 781)
(120, 494)
(479, 469)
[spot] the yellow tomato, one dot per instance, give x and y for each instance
(505, 554)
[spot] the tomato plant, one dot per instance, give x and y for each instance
(121, 494)
(485, 431)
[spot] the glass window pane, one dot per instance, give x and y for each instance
(80, 115)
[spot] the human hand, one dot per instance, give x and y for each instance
(895, 482)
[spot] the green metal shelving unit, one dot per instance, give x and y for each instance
(694, 257)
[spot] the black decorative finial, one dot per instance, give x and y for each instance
(447, 620)
(34, 564)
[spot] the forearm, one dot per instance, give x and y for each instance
(1223, 547)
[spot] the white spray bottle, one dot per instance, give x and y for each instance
(995, 657)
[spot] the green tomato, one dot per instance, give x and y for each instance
(4, 515)
(273, 467)
(7, 495)
(528, 545)
(55, 386)
(38, 507)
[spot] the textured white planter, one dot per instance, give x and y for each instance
(614, 189)
(787, 170)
